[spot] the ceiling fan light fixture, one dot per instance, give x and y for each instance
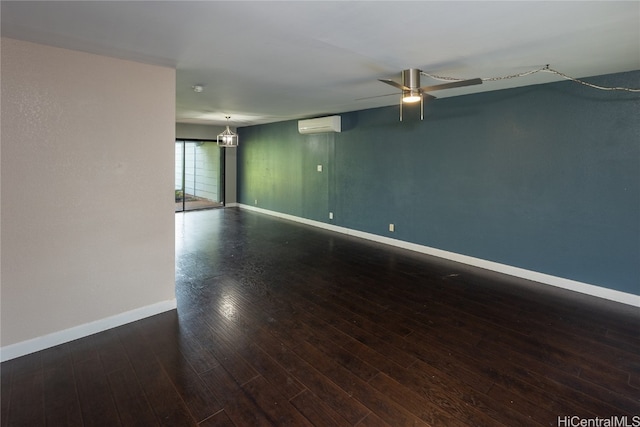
(228, 138)
(410, 96)
(412, 92)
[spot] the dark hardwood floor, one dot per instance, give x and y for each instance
(283, 324)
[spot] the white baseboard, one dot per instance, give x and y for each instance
(56, 338)
(572, 285)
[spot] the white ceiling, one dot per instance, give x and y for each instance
(269, 61)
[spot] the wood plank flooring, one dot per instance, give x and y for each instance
(281, 324)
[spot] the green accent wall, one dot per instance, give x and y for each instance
(545, 177)
(279, 170)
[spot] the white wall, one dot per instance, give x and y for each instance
(193, 131)
(87, 209)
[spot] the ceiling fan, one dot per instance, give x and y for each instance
(412, 92)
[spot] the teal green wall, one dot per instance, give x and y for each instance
(279, 170)
(545, 178)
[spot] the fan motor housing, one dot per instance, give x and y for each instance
(411, 78)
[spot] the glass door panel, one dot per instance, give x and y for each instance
(179, 179)
(201, 176)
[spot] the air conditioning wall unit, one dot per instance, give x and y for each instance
(320, 125)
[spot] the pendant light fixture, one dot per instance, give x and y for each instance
(227, 138)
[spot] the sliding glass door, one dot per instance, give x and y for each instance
(199, 173)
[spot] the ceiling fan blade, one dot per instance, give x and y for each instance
(394, 84)
(376, 96)
(426, 96)
(451, 85)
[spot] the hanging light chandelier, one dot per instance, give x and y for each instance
(228, 138)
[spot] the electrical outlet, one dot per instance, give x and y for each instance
(392, 228)
(330, 215)
(319, 168)
(256, 202)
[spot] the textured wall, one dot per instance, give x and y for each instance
(545, 178)
(278, 170)
(87, 185)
